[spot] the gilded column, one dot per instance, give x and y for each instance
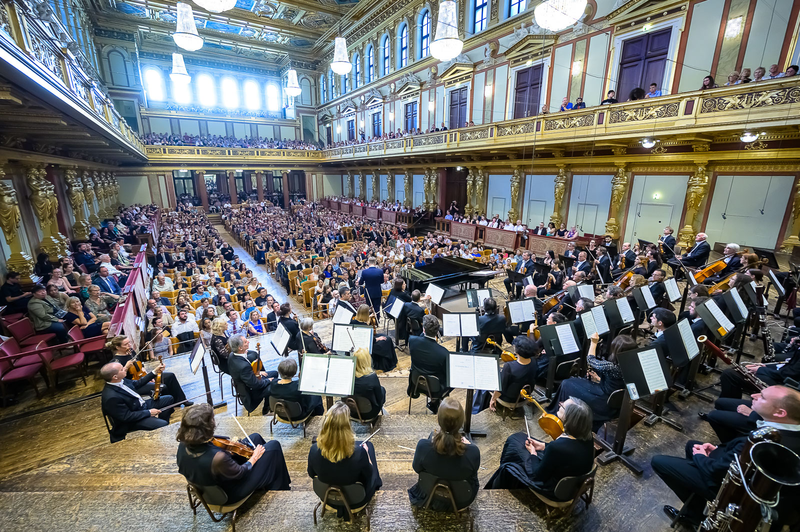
(426, 188)
(351, 191)
(619, 188)
(481, 181)
(408, 188)
(89, 194)
(793, 240)
(362, 186)
(558, 195)
(696, 191)
(470, 191)
(19, 261)
(516, 185)
(115, 188)
(376, 187)
(42, 196)
(390, 186)
(434, 184)
(77, 201)
(100, 192)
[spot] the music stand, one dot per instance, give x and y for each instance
(772, 262)
(198, 357)
(475, 298)
(567, 261)
(684, 350)
(551, 337)
(473, 371)
(327, 375)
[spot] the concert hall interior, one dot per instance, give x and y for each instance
(400, 265)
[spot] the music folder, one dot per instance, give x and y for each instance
(436, 293)
(280, 339)
(645, 371)
(528, 280)
(475, 298)
(644, 298)
(736, 306)
(582, 290)
(776, 283)
(396, 308)
(522, 311)
(560, 339)
(196, 357)
(473, 371)
(594, 321)
(342, 315)
(713, 317)
(460, 324)
(347, 337)
(673, 292)
(681, 343)
(327, 375)
(618, 312)
(752, 293)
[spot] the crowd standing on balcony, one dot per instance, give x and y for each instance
(216, 141)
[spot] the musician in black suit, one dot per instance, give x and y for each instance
(571, 252)
(123, 353)
(251, 388)
(630, 258)
(697, 256)
(524, 267)
(490, 325)
(291, 326)
(667, 243)
(732, 418)
(733, 264)
(702, 470)
(345, 298)
(428, 357)
(661, 319)
(733, 383)
(604, 264)
(657, 286)
(581, 265)
(412, 311)
(127, 410)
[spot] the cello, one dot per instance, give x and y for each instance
(549, 423)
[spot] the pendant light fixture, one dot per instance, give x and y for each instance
(556, 15)
(292, 86)
(216, 6)
(341, 62)
(186, 35)
(179, 73)
(446, 45)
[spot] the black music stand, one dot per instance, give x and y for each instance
(655, 412)
(468, 432)
(684, 351)
(554, 350)
(199, 350)
(772, 262)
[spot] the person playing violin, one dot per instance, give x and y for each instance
(516, 373)
(205, 464)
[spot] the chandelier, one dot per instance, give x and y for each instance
(292, 86)
(446, 45)
(341, 63)
(749, 136)
(179, 73)
(216, 6)
(185, 34)
(555, 15)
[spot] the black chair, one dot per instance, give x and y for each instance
(458, 493)
(109, 425)
(339, 497)
(359, 404)
(214, 500)
(289, 412)
(238, 390)
(215, 367)
(569, 491)
(427, 385)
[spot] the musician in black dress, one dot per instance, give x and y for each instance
(384, 357)
(286, 388)
(367, 384)
(336, 458)
(308, 340)
(204, 464)
(605, 378)
(490, 325)
(122, 350)
(529, 463)
(518, 373)
(447, 455)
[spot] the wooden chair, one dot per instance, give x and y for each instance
(569, 491)
(293, 282)
(214, 500)
(307, 288)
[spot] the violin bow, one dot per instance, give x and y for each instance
(370, 436)
(243, 432)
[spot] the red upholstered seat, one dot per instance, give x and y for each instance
(11, 347)
(67, 361)
(24, 333)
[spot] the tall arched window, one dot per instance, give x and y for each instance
(425, 35)
(480, 13)
(154, 84)
(252, 96)
(516, 7)
(370, 64)
(118, 69)
(385, 47)
(206, 90)
(357, 78)
(230, 93)
(323, 91)
(182, 92)
(273, 98)
(404, 46)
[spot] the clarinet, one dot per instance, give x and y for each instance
(769, 348)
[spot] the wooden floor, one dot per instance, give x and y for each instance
(58, 471)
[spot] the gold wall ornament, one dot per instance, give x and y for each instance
(620, 150)
(659, 149)
(470, 191)
(19, 260)
(757, 145)
(41, 197)
(701, 146)
(90, 195)
(559, 191)
(362, 186)
(619, 188)
(434, 182)
(376, 186)
(696, 191)
(390, 186)
(76, 199)
(115, 191)
(793, 240)
(100, 194)
(480, 191)
(516, 185)
(105, 212)
(408, 188)
(351, 191)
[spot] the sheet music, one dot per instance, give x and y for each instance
(778, 285)
(436, 293)
(739, 303)
(361, 337)
(719, 315)
(691, 279)
(314, 374)
(566, 339)
(522, 311)
(687, 336)
(472, 299)
(653, 373)
(281, 338)
(483, 294)
(672, 289)
(648, 297)
(462, 371)
(589, 327)
(487, 375)
(528, 280)
(342, 315)
(451, 324)
(469, 325)
(397, 306)
(341, 375)
(587, 291)
(625, 311)
(600, 321)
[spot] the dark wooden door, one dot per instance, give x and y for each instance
(527, 92)
(643, 61)
(329, 134)
(411, 116)
(456, 188)
(458, 108)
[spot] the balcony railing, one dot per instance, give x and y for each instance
(155, 153)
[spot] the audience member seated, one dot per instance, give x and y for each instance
(45, 316)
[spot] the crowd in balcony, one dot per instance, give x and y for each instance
(217, 141)
(401, 133)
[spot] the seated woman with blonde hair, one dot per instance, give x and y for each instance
(367, 384)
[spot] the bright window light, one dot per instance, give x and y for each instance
(154, 83)
(252, 99)
(206, 90)
(230, 93)
(273, 98)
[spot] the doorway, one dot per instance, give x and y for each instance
(458, 108)
(527, 92)
(643, 61)
(650, 220)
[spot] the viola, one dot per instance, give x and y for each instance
(157, 391)
(723, 286)
(257, 365)
(549, 423)
(233, 447)
(505, 356)
(624, 280)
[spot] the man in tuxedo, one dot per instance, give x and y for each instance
(661, 319)
(371, 280)
(490, 325)
(630, 257)
(428, 357)
(524, 267)
(697, 256)
(733, 263)
(581, 265)
(127, 410)
(107, 283)
(290, 325)
(413, 312)
(657, 287)
(251, 388)
(345, 298)
(668, 243)
(604, 264)
(701, 471)
(733, 384)
(570, 251)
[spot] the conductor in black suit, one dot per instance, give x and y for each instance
(697, 256)
(525, 267)
(490, 325)
(252, 388)
(126, 408)
(371, 279)
(428, 357)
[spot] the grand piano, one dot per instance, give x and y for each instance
(447, 272)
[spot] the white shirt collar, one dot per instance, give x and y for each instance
(121, 384)
(780, 426)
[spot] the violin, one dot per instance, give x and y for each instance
(136, 370)
(233, 447)
(257, 365)
(622, 262)
(157, 391)
(549, 423)
(505, 356)
(553, 301)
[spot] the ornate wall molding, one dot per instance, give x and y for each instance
(751, 100)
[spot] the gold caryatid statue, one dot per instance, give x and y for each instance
(433, 183)
(470, 191)
(793, 240)
(516, 184)
(76, 199)
(390, 186)
(408, 188)
(89, 194)
(351, 193)
(619, 187)
(376, 187)
(558, 195)
(426, 188)
(480, 191)
(45, 204)
(104, 194)
(115, 190)
(19, 260)
(362, 186)
(696, 191)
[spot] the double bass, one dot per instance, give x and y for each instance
(549, 423)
